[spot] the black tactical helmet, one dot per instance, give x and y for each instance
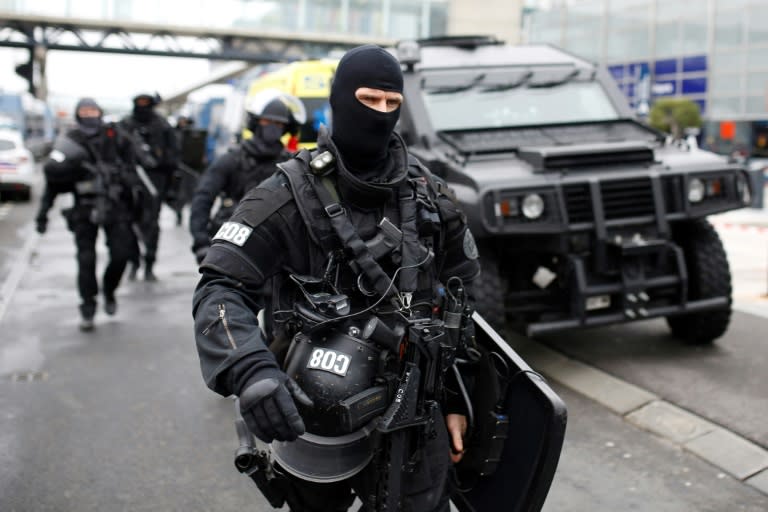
(86, 102)
(338, 371)
(276, 106)
(146, 99)
(275, 110)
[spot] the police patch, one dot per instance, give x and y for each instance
(234, 232)
(329, 361)
(57, 156)
(470, 247)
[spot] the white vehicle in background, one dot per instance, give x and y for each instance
(17, 166)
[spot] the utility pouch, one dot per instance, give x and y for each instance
(86, 187)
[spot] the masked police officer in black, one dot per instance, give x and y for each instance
(94, 162)
(269, 117)
(157, 153)
(285, 230)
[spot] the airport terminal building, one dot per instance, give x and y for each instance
(714, 52)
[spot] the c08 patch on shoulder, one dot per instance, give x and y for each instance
(234, 232)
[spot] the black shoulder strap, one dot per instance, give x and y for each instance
(295, 170)
(322, 166)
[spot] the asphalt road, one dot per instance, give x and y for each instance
(119, 419)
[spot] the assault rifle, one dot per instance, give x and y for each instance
(405, 427)
(143, 151)
(102, 191)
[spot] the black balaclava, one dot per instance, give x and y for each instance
(360, 133)
(89, 126)
(265, 140)
(143, 113)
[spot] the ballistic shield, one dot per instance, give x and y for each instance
(530, 428)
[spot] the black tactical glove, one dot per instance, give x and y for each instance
(200, 253)
(268, 408)
(41, 225)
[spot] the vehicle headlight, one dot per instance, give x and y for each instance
(533, 206)
(696, 190)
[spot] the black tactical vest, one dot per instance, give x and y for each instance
(418, 193)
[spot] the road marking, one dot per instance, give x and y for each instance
(5, 209)
(21, 262)
(744, 228)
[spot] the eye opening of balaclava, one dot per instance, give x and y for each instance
(361, 133)
(89, 125)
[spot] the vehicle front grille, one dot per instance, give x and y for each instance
(578, 203)
(627, 198)
(621, 199)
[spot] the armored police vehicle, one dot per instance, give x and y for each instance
(583, 215)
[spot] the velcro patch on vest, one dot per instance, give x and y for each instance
(234, 232)
(470, 247)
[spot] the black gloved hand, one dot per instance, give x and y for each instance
(41, 226)
(200, 253)
(268, 408)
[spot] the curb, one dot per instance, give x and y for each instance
(733, 454)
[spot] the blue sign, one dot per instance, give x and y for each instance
(694, 85)
(665, 67)
(694, 64)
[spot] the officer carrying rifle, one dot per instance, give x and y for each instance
(371, 265)
(374, 379)
(95, 163)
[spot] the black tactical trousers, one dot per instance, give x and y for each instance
(121, 243)
(150, 226)
(427, 489)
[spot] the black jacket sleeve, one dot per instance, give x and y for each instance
(458, 254)
(231, 291)
(171, 158)
(48, 198)
(60, 170)
(213, 181)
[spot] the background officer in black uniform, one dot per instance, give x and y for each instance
(269, 116)
(94, 162)
(157, 153)
(273, 235)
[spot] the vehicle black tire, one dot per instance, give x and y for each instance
(489, 290)
(708, 276)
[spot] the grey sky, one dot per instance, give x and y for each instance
(110, 77)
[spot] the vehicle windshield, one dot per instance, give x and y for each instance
(514, 97)
(6, 144)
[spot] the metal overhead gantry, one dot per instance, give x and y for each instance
(40, 34)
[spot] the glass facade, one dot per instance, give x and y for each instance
(714, 52)
(373, 18)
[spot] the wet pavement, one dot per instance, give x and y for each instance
(119, 418)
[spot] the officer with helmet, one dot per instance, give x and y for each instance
(157, 154)
(369, 263)
(269, 115)
(95, 163)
